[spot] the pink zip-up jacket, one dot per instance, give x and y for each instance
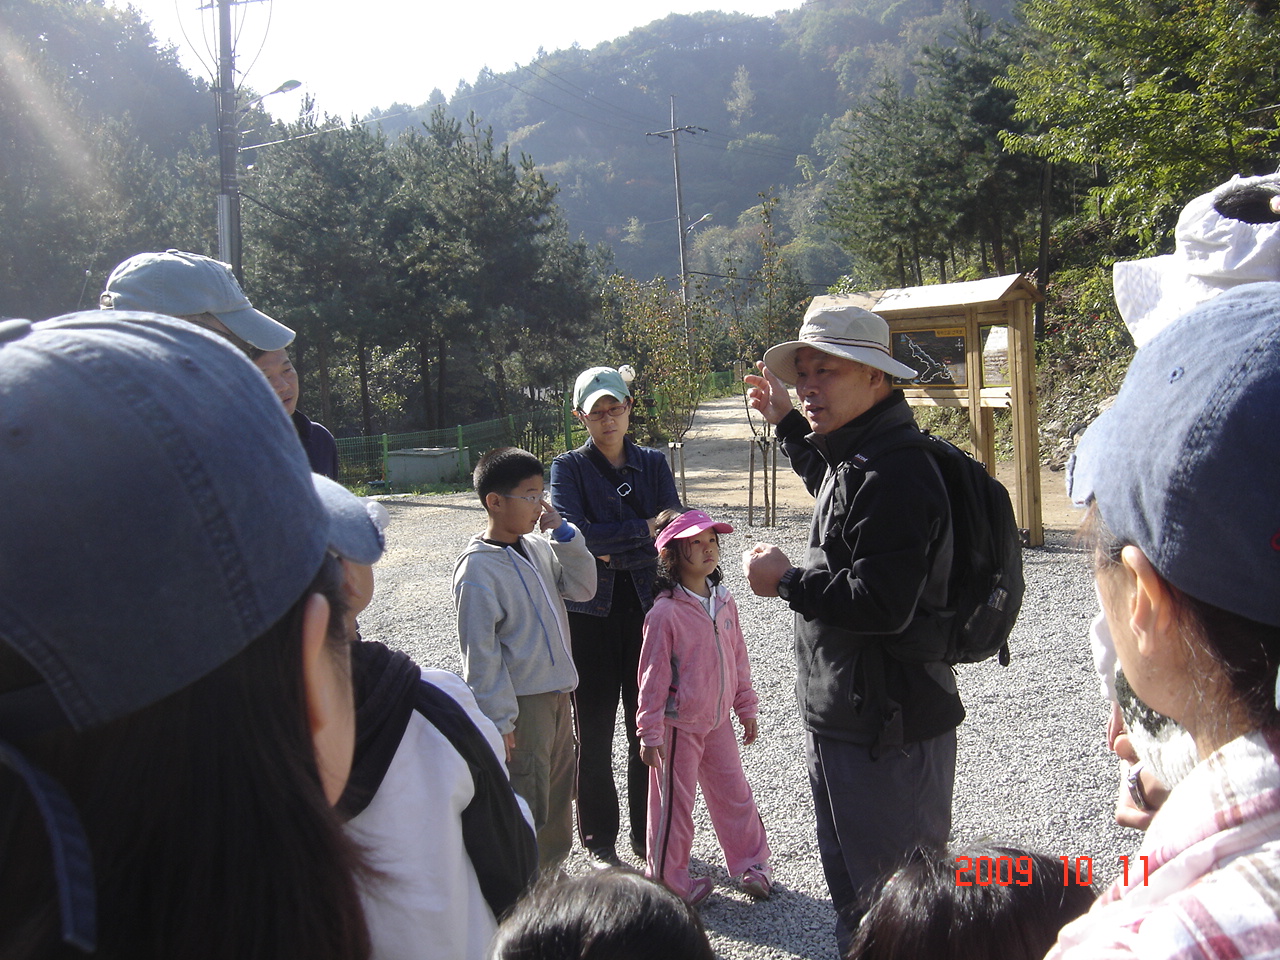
(692, 670)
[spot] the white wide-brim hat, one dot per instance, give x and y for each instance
(838, 326)
(1213, 253)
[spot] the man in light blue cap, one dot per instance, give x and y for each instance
(205, 292)
(198, 289)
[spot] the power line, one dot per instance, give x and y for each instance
(341, 126)
(563, 109)
(647, 121)
(753, 278)
(725, 139)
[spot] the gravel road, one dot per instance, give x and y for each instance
(1033, 770)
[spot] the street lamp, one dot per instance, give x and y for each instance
(229, 142)
(285, 87)
(689, 228)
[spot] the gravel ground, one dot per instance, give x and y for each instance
(1033, 769)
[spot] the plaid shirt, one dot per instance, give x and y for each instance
(1212, 884)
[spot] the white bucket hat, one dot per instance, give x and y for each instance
(1213, 253)
(838, 326)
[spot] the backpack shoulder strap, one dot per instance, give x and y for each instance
(389, 690)
(384, 680)
(499, 841)
(891, 440)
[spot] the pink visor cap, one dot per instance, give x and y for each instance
(689, 524)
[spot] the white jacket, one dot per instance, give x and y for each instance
(427, 901)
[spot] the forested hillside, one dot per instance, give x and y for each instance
(764, 100)
(459, 259)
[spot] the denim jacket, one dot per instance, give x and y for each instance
(591, 503)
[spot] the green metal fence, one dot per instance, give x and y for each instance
(540, 431)
(543, 431)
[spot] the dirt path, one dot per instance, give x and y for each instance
(717, 461)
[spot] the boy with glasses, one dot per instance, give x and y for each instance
(509, 588)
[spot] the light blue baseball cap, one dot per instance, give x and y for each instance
(181, 284)
(596, 382)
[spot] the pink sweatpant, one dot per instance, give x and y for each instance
(711, 761)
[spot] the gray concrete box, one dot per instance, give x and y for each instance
(419, 466)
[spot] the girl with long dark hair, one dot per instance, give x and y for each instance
(176, 707)
(1182, 475)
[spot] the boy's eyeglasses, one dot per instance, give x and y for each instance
(615, 412)
(536, 498)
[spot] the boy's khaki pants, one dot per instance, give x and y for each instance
(541, 768)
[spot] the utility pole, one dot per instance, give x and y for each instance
(228, 146)
(681, 230)
(229, 139)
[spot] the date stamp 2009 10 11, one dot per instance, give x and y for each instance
(1007, 871)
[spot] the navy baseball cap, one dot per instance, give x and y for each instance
(158, 513)
(1186, 463)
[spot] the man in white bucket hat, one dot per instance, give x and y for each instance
(879, 706)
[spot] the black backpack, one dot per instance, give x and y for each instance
(985, 586)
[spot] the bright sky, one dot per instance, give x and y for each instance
(354, 55)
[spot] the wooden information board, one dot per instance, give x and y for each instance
(973, 343)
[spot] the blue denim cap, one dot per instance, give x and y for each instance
(1186, 463)
(158, 512)
(158, 516)
(181, 284)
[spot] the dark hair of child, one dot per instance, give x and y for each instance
(946, 905)
(504, 469)
(669, 556)
(1250, 203)
(613, 914)
(210, 834)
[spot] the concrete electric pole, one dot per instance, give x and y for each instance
(681, 227)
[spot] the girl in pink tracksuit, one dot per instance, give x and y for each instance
(693, 670)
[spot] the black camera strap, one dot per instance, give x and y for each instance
(625, 490)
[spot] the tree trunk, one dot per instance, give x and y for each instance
(362, 372)
(997, 245)
(326, 395)
(442, 355)
(499, 374)
(424, 373)
(1042, 267)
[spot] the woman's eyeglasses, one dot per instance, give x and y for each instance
(616, 412)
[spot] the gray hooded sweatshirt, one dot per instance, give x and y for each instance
(512, 623)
